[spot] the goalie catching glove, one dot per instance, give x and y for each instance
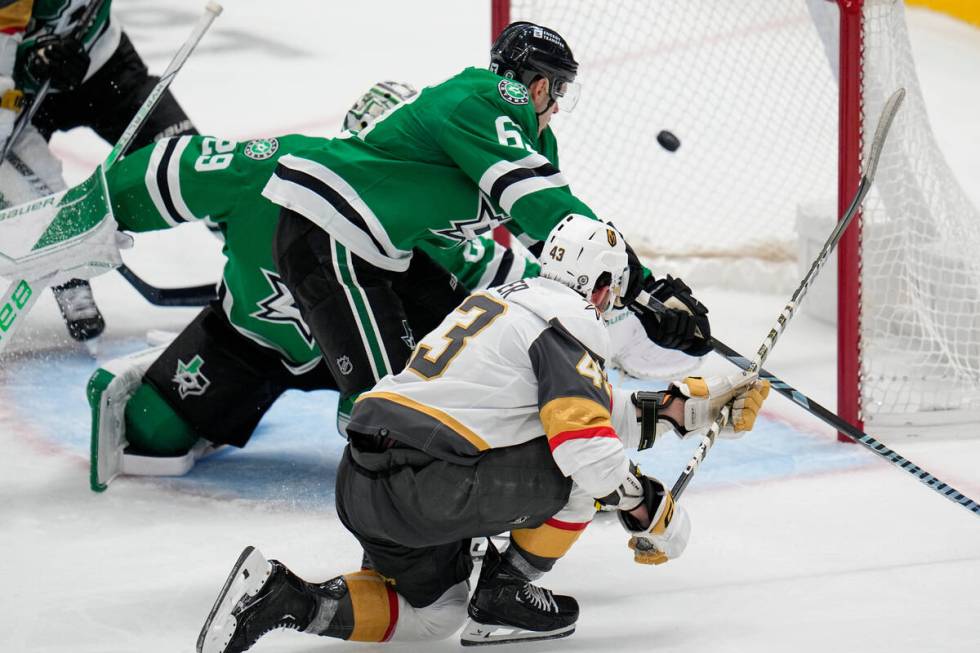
(659, 528)
(684, 326)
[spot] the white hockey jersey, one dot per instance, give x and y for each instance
(511, 364)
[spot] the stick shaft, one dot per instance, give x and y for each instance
(187, 296)
(211, 12)
(888, 114)
(859, 436)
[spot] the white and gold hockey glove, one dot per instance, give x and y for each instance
(664, 535)
(706, 397)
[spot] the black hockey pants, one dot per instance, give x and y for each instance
(364, 319)
(415, 514)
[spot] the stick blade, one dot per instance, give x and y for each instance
(888, 113)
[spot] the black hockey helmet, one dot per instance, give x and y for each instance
(525, 51)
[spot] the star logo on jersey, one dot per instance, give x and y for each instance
(190, 382)
(281, 308)
(408, 338)
(261, 148)
(485, 221)
(512, 92)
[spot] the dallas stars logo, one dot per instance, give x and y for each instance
(513, 92)
(281, 308)
(190, 382)
(261, 148)
(486, 219)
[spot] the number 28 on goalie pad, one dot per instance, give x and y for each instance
(11, 307)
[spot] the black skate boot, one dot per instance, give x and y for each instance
(78, 307)
(260, 595)
(506, 607)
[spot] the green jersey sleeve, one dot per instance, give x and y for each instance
(482, 262)
(193, 178)
(496, 146)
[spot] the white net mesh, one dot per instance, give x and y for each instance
(750, 89)
(747, 89)
(920, 240)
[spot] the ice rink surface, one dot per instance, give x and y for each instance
(799, 543)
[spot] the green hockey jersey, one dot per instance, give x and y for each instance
(449, 164)
(202, 178)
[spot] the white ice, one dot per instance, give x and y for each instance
(799, 544)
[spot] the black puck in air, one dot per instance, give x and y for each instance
(668, 141)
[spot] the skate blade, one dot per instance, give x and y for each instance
(477, 634)
(246, 579)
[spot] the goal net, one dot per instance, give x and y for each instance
(757, 93)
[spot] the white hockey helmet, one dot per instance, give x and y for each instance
(381, 97)
(586, 255)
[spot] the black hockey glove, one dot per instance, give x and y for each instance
(60, 59)
(684, 326)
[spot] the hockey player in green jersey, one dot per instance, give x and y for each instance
(156, 411)
(456, 161)
(167, 407)
(503, 421)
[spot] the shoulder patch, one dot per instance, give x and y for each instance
(512, 92)
(261, 148)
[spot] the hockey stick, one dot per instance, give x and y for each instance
(27, 114)
(211, 11)
(20, 296)
(187, 296)
(857, 434)
(832, 419)
(881, 133)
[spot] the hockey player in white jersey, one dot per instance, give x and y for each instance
(503, 420)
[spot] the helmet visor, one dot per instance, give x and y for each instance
(566, 94)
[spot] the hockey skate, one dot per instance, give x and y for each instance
(259, 596)
(82, 316)
(507, 608)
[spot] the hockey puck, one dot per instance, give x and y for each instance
(668, 141)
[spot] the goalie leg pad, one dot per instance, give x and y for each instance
(108, 391)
